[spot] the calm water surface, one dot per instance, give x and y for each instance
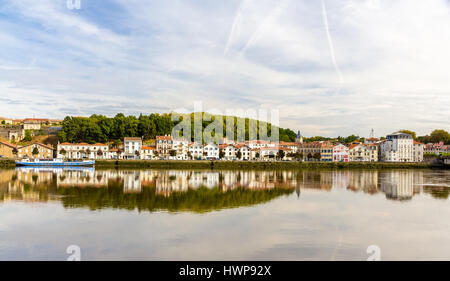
(231, 215)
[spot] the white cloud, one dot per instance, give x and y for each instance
(157, 56)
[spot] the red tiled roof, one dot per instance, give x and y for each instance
(164, 137)
(148, 148)
(132, 139)
(353, 145)
(8, 144)
(38, 143)
(99, 144)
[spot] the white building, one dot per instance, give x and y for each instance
(229, 151)
(340, 153)
(181, 147)
(148, 153)
(196, 150)
(359, 152)
(244, 151)
(418, 149)
(212, 151)
(398, 147)
(132, 148)
(82, 150)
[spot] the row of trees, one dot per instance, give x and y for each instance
(435, 137)
(99, 128)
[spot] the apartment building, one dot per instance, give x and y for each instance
(164, 144)
(132, 147)
(398, 147)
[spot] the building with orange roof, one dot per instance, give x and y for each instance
(148, 152)
(316, 151)
(7, 149)
(359, 152)
(164, 144)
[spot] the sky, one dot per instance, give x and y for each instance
(331, 67)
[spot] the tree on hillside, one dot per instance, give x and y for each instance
(412, 133)
(435, 137)
(28, 136)
(99, 128)
(440, 135)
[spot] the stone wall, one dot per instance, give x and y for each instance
(12, 132)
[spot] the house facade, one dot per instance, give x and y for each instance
(181, 147)
(7, 149)
(229, 151)
(148, 153)
(164, 144)
(195, 150)
(244, 151)
(317, 151)
(359, 152)
(212, 151)
(132, 147)
(82, 150)
(340, 153)
(35, 150)
(418, 149)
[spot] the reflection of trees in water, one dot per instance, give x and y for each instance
(194, 200)
(439, 192)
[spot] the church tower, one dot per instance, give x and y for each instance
(299, 138)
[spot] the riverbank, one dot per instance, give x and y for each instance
(6, 163)
(221, 165)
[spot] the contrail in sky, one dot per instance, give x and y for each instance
(265, 23)
(330, 43)
(235, 27)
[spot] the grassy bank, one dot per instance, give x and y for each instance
(5, 163)
(219, 165)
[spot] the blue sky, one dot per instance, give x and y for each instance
(331, 67)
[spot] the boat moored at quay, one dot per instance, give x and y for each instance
(54, 162)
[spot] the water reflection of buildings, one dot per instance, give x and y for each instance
(401, 185)
(39, 184)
